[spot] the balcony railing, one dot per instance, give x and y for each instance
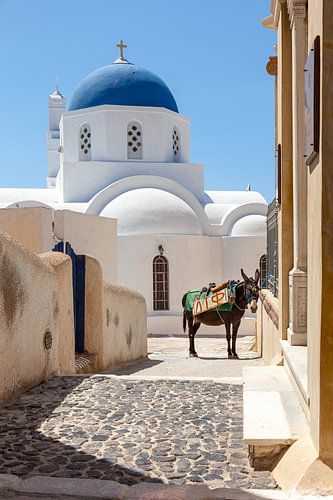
(272, 248)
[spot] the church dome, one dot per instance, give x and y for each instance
(152, 211)
(124, 85)
(250, 225)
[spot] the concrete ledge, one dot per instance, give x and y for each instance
(296, 365)
(273, 417)
(51, 487)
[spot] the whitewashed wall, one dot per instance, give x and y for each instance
(90, 235)
(109, 133)
(194, 261)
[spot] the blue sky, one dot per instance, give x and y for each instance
(212, 54)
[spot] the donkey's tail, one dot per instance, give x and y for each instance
(184, 321)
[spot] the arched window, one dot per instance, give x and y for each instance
(134, 141)
(85, 142)
(176, 144)
(263, 270)
(160, 283)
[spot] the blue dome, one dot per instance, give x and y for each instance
(125, 85)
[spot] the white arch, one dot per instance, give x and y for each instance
(101, 199)
(234, 214)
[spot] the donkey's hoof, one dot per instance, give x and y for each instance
(235, 356)
(193, 355)
(230, 356)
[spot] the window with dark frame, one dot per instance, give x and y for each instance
(134, 140)
(85, 142)
(160, 283)
(176, 143)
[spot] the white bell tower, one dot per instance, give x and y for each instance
(57, 105)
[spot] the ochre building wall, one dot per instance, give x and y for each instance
(28, 309)
(30, 226)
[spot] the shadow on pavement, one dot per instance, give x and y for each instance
(26, 451)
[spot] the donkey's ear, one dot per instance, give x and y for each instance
(245, 278)
(257, 276)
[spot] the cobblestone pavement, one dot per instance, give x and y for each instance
(129, 431)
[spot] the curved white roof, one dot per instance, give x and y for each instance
(152, 211)
(216, 211)
(250, 225)
(236, 197)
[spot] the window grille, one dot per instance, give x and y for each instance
(160, 283)
(134, 141)
(85, 142)
(176, 144)
(272, 248)
(263, 271)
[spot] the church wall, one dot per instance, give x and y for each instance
(81, 181)
(109, 133)
(241, 252)
(90, 235)
(97, 175)
(194, 261)
(29, 226)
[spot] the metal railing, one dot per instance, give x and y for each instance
(272, 248)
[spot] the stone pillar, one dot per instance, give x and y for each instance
(297, 330)
(284, 138)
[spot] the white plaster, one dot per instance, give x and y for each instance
(109, 129)
(152, 211)
(250, 225)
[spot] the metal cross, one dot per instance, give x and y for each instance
(121, 46)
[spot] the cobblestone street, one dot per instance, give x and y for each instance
(129, 430)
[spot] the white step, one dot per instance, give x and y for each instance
(272, 413)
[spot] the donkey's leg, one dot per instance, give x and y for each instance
(235, 327)
(196, 327)
(191, 334)
(228, 335)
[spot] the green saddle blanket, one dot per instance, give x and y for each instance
(194, 295)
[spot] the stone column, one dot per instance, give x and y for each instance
(284, 138)
(298, 274)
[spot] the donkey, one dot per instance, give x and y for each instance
(247, 292)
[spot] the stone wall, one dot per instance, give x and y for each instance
(125, 325)
(32, 317)
(268, 339)
(115, 321)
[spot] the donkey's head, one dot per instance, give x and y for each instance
(252, 290)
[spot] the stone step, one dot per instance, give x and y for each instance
(273, 416)
(65, 488)
(84, 363)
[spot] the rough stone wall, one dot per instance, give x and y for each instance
(27, 288)
(36, 317)
(125, 324)
(63, 309)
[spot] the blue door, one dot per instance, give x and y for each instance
(78, 276)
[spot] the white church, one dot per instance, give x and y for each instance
(122, 150)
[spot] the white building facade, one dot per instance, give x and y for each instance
(122, 150)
